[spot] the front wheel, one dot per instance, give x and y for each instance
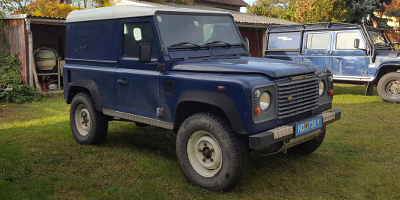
(211, 155)
(389, 87)
(88, 125)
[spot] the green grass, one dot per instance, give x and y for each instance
(40, 159)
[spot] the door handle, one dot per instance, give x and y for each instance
(337, 60)
(308, 59)
(123, 82)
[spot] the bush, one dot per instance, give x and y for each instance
(10, 74)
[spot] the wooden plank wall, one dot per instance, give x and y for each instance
(17, 37)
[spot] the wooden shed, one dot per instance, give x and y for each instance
(26, 33)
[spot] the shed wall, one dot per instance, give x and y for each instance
(256, 40)
(18, 39)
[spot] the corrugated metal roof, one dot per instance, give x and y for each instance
(229, 2)
(242, 18)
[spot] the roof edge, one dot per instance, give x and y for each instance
(21, 16)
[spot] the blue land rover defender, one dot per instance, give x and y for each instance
(190, 71)
(353, 53)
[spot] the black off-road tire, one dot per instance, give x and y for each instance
(308, 147)
(229, 160)
(389, 87)
(88, 125)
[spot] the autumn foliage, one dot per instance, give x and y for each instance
(48, 8)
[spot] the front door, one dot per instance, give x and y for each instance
(316, 47)
(138, 84)
(347, 60)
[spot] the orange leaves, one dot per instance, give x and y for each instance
(48, 8)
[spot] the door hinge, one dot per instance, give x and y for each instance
(159, 112)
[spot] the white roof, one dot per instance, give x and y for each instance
(115, 12)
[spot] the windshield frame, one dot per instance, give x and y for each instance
(240, 41)
(382, 33)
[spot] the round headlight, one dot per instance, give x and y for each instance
(265, 101)
(321, 88)
(330, 78)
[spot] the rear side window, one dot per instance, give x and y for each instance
(317, 41)
(284, 41)
(136, 33)
(345, 40)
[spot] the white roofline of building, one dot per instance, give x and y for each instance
(22, 16)
(127, 11)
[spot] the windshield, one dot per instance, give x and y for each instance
(378, 38)
(195, 30)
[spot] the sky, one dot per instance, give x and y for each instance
(243, 9)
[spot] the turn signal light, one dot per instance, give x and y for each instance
(330, 92)
(257, 110)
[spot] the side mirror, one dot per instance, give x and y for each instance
(246, 44)
(145, 52)
(356, 43)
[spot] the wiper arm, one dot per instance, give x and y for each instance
(184, 43)
(218, 41)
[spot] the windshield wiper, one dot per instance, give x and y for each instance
(218, 41)
(184, 43)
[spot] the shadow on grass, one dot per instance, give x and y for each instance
(343, 88)
(151, 139)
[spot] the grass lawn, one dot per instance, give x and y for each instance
(40, 159)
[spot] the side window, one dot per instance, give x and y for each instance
(136, 33)
(284, 41)
(345, 40)
(317, 41)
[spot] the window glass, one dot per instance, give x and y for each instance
(346, 40)
(284, 41)
(377, 37)
(197, 29)
(317, 41)
(136, 33)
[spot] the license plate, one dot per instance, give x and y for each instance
(309, 125)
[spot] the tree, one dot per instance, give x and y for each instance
(50, 8)
(12, 6)
(269, 8)
(320, 11)
(393, 10)
(363, 8)
(304, 11)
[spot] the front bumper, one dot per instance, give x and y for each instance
(286, 132)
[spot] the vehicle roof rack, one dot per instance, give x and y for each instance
(314, 26)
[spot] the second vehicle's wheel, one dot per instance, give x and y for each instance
(308, 147)
(211, 155)
(389, 87)
(88, 125)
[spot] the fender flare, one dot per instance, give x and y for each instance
(89, 85)
(215, 99)
(385, 64)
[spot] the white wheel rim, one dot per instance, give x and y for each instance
(204, 153)
(82, 119)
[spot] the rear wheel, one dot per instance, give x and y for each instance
(88, 125)
(211, 155)
(308, 147)
(389, 87)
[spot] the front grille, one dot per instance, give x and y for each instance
(297, 97)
